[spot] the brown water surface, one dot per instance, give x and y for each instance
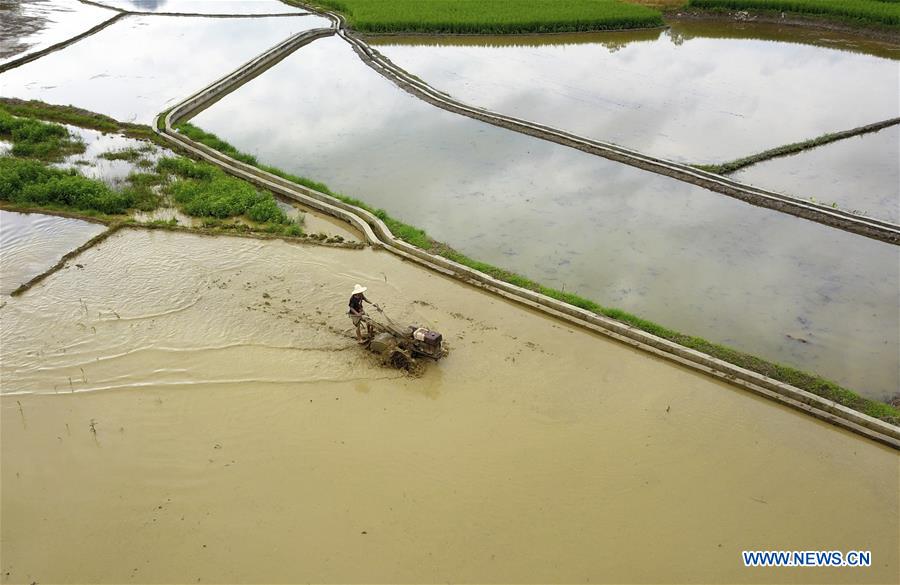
(789, 290)
(188, 408)
(31, 243)
(696, 92)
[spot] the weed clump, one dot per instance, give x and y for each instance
(30, 182)
(203, 190)
(35, 139)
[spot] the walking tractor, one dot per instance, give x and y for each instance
(402, 347)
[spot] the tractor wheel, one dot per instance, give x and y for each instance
(401, 359)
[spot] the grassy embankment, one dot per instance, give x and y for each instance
(492, 16)
(28, 181)
(417, 237)
(863, 12)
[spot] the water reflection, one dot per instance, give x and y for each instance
(113, 71)
(37, 24)
(860, 174)
(204, 6)
(791, 290)
(693, 93)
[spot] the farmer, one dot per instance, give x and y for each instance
(356, 311)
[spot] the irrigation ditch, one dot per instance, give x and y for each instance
(378, 234)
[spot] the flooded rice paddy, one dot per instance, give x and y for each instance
(140, 65)
(30, 26)
(790, 290)
(32, 243)
(695, 93)
(860, 174)
(211, 7)
(98, 161)
(179, 393)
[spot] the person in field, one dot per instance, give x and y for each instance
(356, 312)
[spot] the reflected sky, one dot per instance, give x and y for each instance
(681, 95)
(790, 290)
(140, 65)
(37, 24)
(860, 174)
(204, 6)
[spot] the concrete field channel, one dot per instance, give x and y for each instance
(665, 264)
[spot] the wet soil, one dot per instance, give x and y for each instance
(175, 394)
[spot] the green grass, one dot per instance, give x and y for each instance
(492, 16)
(77, 117)
(33, 183)
(886, 12)
(214, 142)
(206, 191)
(419, 238)
(36, 139)
(131, 155)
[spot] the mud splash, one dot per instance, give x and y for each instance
(200, 387)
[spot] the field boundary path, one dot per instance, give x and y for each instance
(377, 234)
(121, 13)
(859, 224)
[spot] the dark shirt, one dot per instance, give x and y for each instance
(356, 302)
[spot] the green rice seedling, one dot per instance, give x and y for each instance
(886, 12)
(493, 16)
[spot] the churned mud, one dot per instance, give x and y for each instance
(181, 408)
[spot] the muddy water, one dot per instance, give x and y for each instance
(32, 243)
(140, 65)
(861, 174)
(787, 289)
(243, 437)
(694, 93)
(33, 25)
(204, 6)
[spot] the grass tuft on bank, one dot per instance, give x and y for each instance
(492, 16)
(419, 238)
(883, 12)
(205, 191)
(36, 139)
(33, 183)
